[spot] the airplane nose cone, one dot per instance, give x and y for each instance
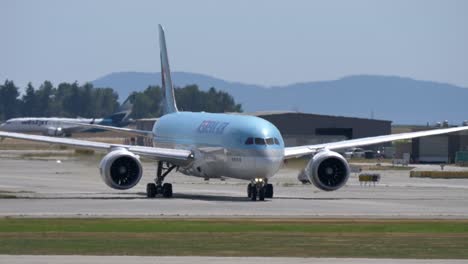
(269, 163)
(5, 127)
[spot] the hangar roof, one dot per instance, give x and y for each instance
(270, 113)
(265, 113)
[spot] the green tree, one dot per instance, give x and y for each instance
(45, 96)
(72, 100)
(149, 102)
(87, 100)
(61, 95)
(104, 102)
(9, 103)
(29, 102)
(190, 98)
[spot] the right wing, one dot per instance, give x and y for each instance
(295, 152)
(178, 157)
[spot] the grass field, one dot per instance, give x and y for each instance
(385, 168)
(440, 174)
(237, 237)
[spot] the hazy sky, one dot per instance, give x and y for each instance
(261, 42)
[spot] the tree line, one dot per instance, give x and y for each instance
(65, 100)
(148, 103)
(75, 100)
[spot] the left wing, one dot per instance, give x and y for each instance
(295, 152)
(122, 130)
(175, 156)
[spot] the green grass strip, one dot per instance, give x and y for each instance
(230, 225)
(237, 237)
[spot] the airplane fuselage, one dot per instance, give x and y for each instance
(224, 145)
(45, 125)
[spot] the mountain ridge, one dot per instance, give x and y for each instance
(402, 100)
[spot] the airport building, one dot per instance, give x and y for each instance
(438, 149)
(304, 129)
(307, 129)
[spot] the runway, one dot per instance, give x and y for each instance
(42, 187)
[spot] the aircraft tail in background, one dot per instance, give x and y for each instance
(120, 118)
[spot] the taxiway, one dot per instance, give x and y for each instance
(44, 187)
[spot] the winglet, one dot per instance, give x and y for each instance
(166, 81)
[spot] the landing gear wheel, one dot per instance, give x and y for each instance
(167, 190)
(269, 190)
(249, 191)
(151, 190)
(253, 195)
(261, 194)
(159, 189)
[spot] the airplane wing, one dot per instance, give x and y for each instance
(175, 156)
(295, 152)
(123, 130)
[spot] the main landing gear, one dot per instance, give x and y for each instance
(259, 188)
(158, 188)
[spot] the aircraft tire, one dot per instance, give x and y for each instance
(253, 196)
(159, 189)
(269, 190)
(261, 194)
(151, 190)
(249, 191)
(167, 190)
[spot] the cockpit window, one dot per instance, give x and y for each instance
(270, 141)
(259, 141)
(262, 141)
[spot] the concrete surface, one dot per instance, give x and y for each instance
(207, 260)
(72, 187)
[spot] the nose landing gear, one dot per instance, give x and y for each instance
(259, 188)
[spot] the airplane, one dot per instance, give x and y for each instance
(210, 145)
(58, 126)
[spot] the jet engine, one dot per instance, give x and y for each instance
(327, 170)
(55, 131)
(121, 169)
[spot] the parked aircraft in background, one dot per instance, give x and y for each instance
(218, 145)
(58, 126)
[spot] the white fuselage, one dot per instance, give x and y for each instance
(46, 125)
(233, 146)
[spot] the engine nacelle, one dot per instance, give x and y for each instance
(55, 131)
(121, 169)
(327, 170)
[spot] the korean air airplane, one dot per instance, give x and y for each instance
(58, 126)
(217, 145)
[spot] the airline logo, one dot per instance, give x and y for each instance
(34, 122)
(212, 127)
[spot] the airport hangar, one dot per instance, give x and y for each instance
(440, 149)
(306, 129)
